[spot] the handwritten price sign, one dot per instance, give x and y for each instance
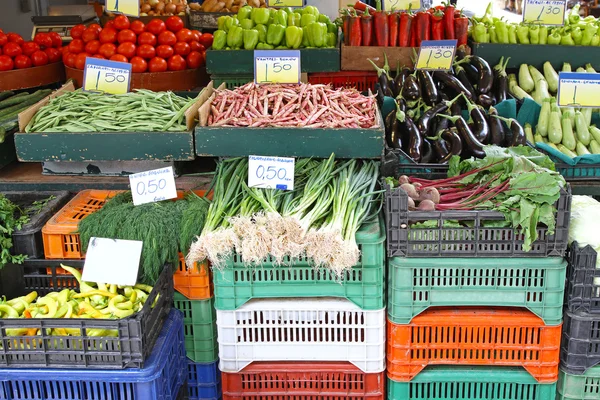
(285, 3)
(577, 89)
(276, 66)
(127, 7)
(436, 55)
(545, 12)
(390, 5)
(271, 172)
(106, 76)
(152, 186)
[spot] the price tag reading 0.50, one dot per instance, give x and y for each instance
(106, 76)
(271, 172)
(389, 5)
(152, 186)
(436, 54)
(545, 12)
(127, 7)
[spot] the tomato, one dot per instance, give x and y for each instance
(147, 38)
(108, 35)
(95, 27)
(69, 59)
(185, 35)
(176, 63)
(80, 60)
(92, 47)
(44, 40)
(157, 64)
(196, 46)
(121, 22)
(39, 58)
(76, 46)
(29, 48)
(109, 24)
(164, 51)
(138, 65)
(3, 39)
(182, 48)
(15, 38)
(174, 24)
(156, 26)
(146, 51)
(138, 27)
(195, 59)
(53, 55)
(107, 50)
(6, 63)
(126, 35)
(22, 61)
(126, 49)
(90, 34)
(56, 39)
(99, 57)
(119, 58)
(197, 35)
(206, 40)
(77, 31)
(167, 38)
(12, 49)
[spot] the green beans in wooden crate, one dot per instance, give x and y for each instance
(199, 328)
(579, 387)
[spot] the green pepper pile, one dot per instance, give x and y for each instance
(267, 29)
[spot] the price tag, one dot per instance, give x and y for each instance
(127, 7)
(271, 172)
(389, 5)
(152, 186)
(545, 12)
(276, 66)
(578, 89)
(436, 54)
(106, 76)
(112, 261)
(285, 3)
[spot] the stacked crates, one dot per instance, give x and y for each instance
(470, 314)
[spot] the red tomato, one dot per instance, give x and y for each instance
(77, 31)
(197, 35)
(157, 64)
(92, 47)
(206, 40)
(107, 50)
(196, 46)
(176, 63)
(12, 49)
(15, 38)
(109, 24)
(99, 56)
(90, 34)
(164, 51)
(138, 65)
(96, 27)
(44, 40)
(126, 49)
(22, 61)
(56, 39)
(146, 51)
(156, 26)
(185, 35)
(147, 38)
(120, 58)
(108, 35)
(69, 59)
(167, 38)
(3, 39)
(80, 60)
(76, 46)
(126, 35)
(53, 55)
(121, 22)
(182, 48)
(29, 48)
(6, 63)
(39, 58)
(195, 59)
(174, 24)
(138, 27)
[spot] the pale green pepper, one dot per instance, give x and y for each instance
(493, 34)
(501, 32)
(577, 35)
(554, 37)
(543, 34)
(523, 34)
(588, 33)
(534, 34)
(512, 34)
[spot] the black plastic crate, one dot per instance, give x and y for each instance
(130, 347)
(28, 239)
(582, 293)
(396, 162)
(580, 347)
(475, 241)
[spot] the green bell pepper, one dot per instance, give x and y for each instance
(261, 15)
(501, 31)
(317, 34)
(231, 21)
(512, 34)
(332, 28)
(282, 47)
(543, 34)
(247, 24)
(275, 34)
(264, 46)
(235, 37)
(588, 33)
(534, 34)
(244, 13)
(307, 19)
(331, 40)
(221, 22)
(294, 19)
(311, 10)
(566, 39)
(595, 40)
(305, 42)
(288, 10)
(577, 35)
(323, 18)
(280, 18)
(219, 40)
(523, 34)
(250, 39)
(554, 37)
(262, 33)
(480, 32)
(293, 37)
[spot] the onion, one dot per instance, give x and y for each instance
(145, 8)
(151, 13)
(180, 9)
(160, 7)
(153, 2)
(170, 8)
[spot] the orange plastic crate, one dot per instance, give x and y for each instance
(302, 381)
(361, 80)
(195, 283)
(474, 336)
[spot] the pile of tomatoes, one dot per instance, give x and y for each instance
(158, 46)
(16, 53)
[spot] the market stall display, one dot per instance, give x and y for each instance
(227, 6)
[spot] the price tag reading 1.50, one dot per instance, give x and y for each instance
(106, 76)
(276, 66)
(389, 5)
(271, 172)
(436, 55)
(285, 3)
(578, 89)
(128, 7)
(545, 12)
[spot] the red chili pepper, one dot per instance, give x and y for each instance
(360, 6)
(449, 21)
(424, 23)
(382, 31)
(414, 30)
(366, 23)
(406, 20)
(393, 23)
(437, 25)
(461, 30)
(346, 28)
(355, 30)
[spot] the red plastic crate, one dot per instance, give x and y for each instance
(361, 80)
(302, 381)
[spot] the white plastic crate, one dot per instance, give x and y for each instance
(301, 329)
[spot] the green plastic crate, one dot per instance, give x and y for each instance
(363, 285)
(579, 387)
(231, 81)
(199, 328)
(415, 284)
(449, 382)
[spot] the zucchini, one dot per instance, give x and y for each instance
(525, 80)
(554, 126)
(529, 133)
(10, 112)
(583, 132)
(568, 137)
(544, 119)
(595, 147)
(566, 151)
(16, 99)
(595, 132)
(581, 149)
(7, 104)
(6, 94)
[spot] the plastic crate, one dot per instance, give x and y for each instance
(580, 347)
(161, 378)
(194, 283)
(475, 241)
(397, 163)
(416, 284)
(200, 328)
(363, 285)
(204, 381)
(361, 80)
(130, 348)
(231, 81)
(579, 387)
(27, 277)
(582, 293)
(28, 239)
(301, 329)
(456, 382)
(303, 381)
(474, 336)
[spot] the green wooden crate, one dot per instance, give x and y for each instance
(231, 81)
(579, 387)
(199, 328)
(7, 151)
(415, 284)
(363, 285)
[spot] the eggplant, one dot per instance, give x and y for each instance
(517, 132)
(461, 74)
(456, 145)
(501, 80)
(390, 120)
(485, 78)
(442, 150)
(399, 79)
(480, 126)
(496, 135)
(415, 142)
(424, 123)
(473, 146)
(411, 90)
(439, 124)
(428, 153)
(428, 88)
(383, 78)
(380, 96)
(461, 52)
(452, 82)
(486, 101)
(472, 73)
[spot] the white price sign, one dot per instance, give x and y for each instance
(112, 261)
(271, 172)
(152, 186)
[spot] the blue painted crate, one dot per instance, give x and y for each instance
(204, 381)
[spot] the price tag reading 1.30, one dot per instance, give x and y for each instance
(106, 76)
(578, 89)
(545, 12)
(271, 172)
(436, 54)
(285, 3)
(128, 7)
(152, 186)
(276, 66)
(389, 5)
